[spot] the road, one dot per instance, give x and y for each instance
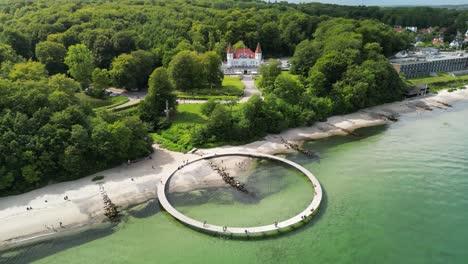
(134, 98)
(249, 88)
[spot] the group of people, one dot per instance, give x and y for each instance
(64, 198)
(241, 165)
(184, 163)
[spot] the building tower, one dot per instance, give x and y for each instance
(230, 55)
(258, 54)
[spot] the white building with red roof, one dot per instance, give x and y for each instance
(243, 58)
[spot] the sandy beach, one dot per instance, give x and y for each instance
(128, 185)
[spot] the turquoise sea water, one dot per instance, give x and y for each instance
(396, 194)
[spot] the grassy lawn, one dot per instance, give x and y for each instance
(233, 84)
(178, 137)
(443, 77)
(189, 114)
(442, 82)
(98, 103)
(232, 89)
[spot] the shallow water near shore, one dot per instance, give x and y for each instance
(274, 192)
(395, 194)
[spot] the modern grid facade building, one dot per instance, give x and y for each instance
(423, 64)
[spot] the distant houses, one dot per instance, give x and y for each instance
(438, 41)
(435, 37)
(427, 30)
(401, 29)
(456, 44)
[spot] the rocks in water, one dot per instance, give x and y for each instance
(227, 178)
(422, 106)
(347, 131)
(391, 116)
(444, 104)
(110, 209)
(296, 147)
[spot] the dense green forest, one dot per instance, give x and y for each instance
(342, 69)
(50, 50)
(47, 136)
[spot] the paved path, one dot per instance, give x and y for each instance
(136, 97)
(311, 209)
(250, 88)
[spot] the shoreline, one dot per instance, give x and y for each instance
(130, 185)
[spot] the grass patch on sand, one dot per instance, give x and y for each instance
(442, 82)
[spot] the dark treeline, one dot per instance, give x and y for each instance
(111, 28)
(421, 17)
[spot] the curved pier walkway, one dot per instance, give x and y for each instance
(311, 209)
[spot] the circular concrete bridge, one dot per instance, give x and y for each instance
(298, 219)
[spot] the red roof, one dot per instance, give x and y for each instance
(437, 42)
(259, 49)
(229, 48)
(239, 52)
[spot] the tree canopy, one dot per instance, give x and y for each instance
(46, 135)
(79, 60)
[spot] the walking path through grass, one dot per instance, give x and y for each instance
(230, 84)
(250, 89)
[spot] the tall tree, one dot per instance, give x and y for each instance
(212, 67)
(18, 41)
(131, 71)
(160, 91)
(269, 73)
(101, 81)
(186, 71)
(125, 41)
(60, 82)
(288, 89)
(304, 58)
(52, 55)
(7, 53)
(30, 70)
(79, 60)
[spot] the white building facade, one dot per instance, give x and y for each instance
(242, 60)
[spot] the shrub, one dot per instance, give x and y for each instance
(208, 107)
(97, 178)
